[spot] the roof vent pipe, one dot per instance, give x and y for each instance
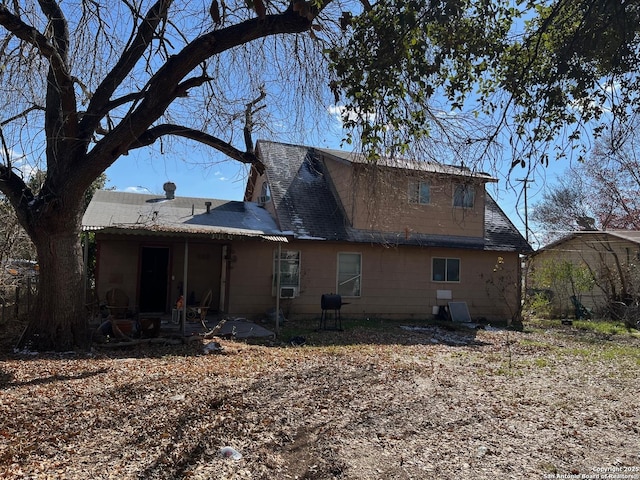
(208, 205)
(169, 190)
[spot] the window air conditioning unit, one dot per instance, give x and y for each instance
(288, 292)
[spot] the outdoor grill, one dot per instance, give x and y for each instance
(331, 302)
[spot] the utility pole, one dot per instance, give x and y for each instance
(525, 273)
(526, 181)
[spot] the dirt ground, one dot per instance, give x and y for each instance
(366, 403)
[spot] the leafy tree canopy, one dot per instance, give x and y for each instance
(541, 70)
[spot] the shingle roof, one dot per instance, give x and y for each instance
(307, 207)
(142, 213)
(499, 232)
(408, 164)
(304, 204)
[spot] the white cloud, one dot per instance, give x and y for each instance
(338, 112)
(20, 162)
(137, 189)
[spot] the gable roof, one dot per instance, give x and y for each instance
(632, 236)
(307, 208)
(126, 212)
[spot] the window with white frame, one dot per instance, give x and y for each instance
(420, 193)
(349, 274)
(289, 268)
(445, 269)
(464, 195)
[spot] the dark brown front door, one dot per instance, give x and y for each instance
(154, 277)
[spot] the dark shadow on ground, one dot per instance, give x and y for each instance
(6, 379)
(380, 331)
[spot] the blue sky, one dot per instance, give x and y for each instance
(145, 171)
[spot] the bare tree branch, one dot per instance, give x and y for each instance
(97, 107)
(60, 91)
(26, 33)
(21, 114)
(248, 119)
(16, 191)
(165, 85)
(151, 135)
(181, 91)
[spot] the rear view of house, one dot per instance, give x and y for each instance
(397, 239)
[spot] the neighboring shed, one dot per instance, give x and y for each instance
(611, 258)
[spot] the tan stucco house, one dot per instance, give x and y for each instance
(611, 259)
(395, 240)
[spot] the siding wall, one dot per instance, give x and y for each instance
(377, 199)
(396, 282)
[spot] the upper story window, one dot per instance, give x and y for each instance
(265, 193)
(464, 196)
(420, 193)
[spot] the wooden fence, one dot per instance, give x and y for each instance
(17, 298)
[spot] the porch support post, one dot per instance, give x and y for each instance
(223, 278)
(185, 294)
(278, 289)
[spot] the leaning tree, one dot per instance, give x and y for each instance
(85, 82)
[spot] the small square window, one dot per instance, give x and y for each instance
(464, 196)
(419, 192)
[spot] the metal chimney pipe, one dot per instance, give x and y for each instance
(169, 190)
(208, 205)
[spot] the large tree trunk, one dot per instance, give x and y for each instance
(59, 321)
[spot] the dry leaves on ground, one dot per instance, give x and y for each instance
(401, 404)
